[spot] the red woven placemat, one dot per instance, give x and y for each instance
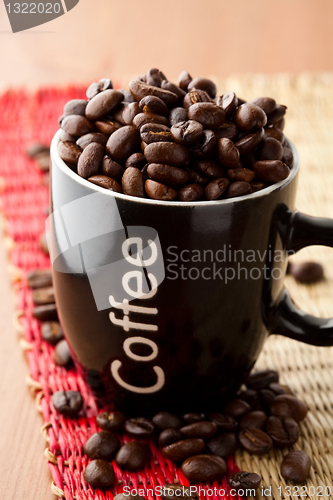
(26, 118)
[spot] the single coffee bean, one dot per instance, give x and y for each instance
(296, 466)
(184, 80)
(288, 157)
(43, 244)
(144, 118)
(137, 160)
(166, 174)
(223, 445)
(151, 104)
(179, 451)
(227, 130)
(102, 445)
(76, 125)
(173, 88)
(249, 116)
(158, 191)
(166, 420)
(276, 115)
(103, 103)
(237, 408)
(210, 168)
(252, 398)
(75, 107)
(271, 170)
(202, 468)
(187, 132)
(223, 422)
(52, 332)
(87, 139)
(155, 77)
(253, 420)
(139, 427)
(43, 160)
(90, 160)
(67, 137)
(267, 104)
(133, 456)
(62, 354)
(255, 441)
(275, 133)
(97, 87)
(208, 114)
(168, 153)
(228, 154)
(240, 174)
(68, 403)
(46, 313)
(99, 474)
(257, 186)
(306, 272)
(203, 84)
(132, 182)
(190, 192)
(228, 102)
(43, 296)
(191, 418)
(284, 431)
(155, 132)
(107, 125)
(204, 146)
(249, 142)
(177, 115)
(172, 491)
(122, 143)
(105, 182)
(269, 149)
(203, 430)
(111, 421)
(112, 168)
(216, 188)
(288, 406)
(127, 95)
(169, 436)
(244, 481)
(129, 113)
(266, 397)
(140, 90)
(195, 96)
(39, 278)
(278, 389)
(262, 379)
(196, 178)
(36, 148)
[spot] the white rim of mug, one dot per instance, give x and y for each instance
(84, 182)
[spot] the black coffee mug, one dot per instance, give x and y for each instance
(166, 305)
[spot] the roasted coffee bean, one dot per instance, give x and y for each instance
(87, 139)
(228, 154)
(166, 174)
(158, 191)
(67, 137)
(281, 389)
(68, 403)
(255, 441)
(173, 88)
(237, 408)
(179, 451)
(75, 107)
(288, 157)
(190, 192)
(76, 125)
(284, 431)
(262, 379)
(172, 491)
(196, 178)
(266, 397)
(127, 95)
(223, 422)
(151, 104)
(111, 421)
(106, 182)
(100, 86)
(144, 118)
(140, 90)
(168, 153)
(249, 116)
(223, 445)
(269, 149)
(112, 169)
(227, 130)
(39, 278)
(184, 80)
(275, 133)
(107, 125)
(306, 272)
(69, 152)
(203, 84)
(123, 143)
(203, 430)
(296, 466)
(194, 97)
(271, 170)
(202, 468)
(52, 332)
(240, 174)
(280, 124)
(90, 160)
(99, 474)
(265, 103)
(177, 115)
(216, 188)
(249, 142)
(45, 313)
(288, 406)
(187, 132)
(244, 481)
(117, 113)
(204, 146)
(228, 102)
(210, 168)
(36, 148)
(155, 77)
(191, 418)
(103, 103)
(137, 160)
(155, 132)
(130, 112)
(102, 445)
(169, 436)
(62, 354)
(43, 244)
(257, 186)
(276, 115)
(139, 427)
(43, 160)
(166, 420)
(133, 456)
(253, 420)
(208, 114)
(132, 182)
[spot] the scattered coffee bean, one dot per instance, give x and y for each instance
(139, 427)
(133, 456)
(223, 422)
(306, 272)
(179, 451)
(296, 466)
(244, 481)
(45, 313)
(203, 468)
(39, 278)
(262, 379)
(68, 403)
(165, 420)
(111, 421)
(191, 418)
(44, 161)
(255, 441)
(62, 354)
(102, 445)
(237, 408)
(284, 431)
(169, 436)
(42, 296)
(99, 474)
(284, 406)
(223, 445)
(36, 148)
(253, 420)
(52, 332)
(203, 430)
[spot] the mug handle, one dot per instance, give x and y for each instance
(288, 320)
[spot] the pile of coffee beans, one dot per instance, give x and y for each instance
(170, 142)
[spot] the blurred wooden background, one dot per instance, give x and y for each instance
(120, 38)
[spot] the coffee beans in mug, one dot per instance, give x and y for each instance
(296, 466)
